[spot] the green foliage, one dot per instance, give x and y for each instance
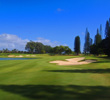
(43, 52)
(105, 45)
(47, 48)
(96, 47)
(97, 38)
(106, 42)
(14, 51)
(101, 32)
(39, 47)
(107, 29)
(77, 45)
(68, 50)
(61, 50)
(30, 46)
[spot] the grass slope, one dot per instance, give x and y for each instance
(37, 79)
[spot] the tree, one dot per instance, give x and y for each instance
(39, 47)
(106, 41)
(95, 48)
(61, 50)
(101, 31)
(97, 38)
(77, 45)
(88, 42)
(107, 29)
(67, 50)
(14, 51)
(30, 46)
(5, 50)
(91, 41)
(47, 48)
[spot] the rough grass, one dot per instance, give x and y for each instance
(37, 79)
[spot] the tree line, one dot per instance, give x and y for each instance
(39, 48)
(11, 51)
(100, 45)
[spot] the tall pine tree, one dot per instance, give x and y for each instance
(95, 48)
(106, 41)
(88, 42)
(97, 38)
(107, 29)
(101, 32)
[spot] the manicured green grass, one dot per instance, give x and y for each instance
(37, 79)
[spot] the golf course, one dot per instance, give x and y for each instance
(37, 79)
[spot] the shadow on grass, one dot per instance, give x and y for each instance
(102, 62)
(82, 71)
(105, 57)
(57, 92)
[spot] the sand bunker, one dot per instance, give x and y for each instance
(73, 61)
(15, 56)
(11, 56)
(19, 56)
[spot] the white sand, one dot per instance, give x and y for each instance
(73, 61)
(19, 56)
(11, 56)
(15, 56)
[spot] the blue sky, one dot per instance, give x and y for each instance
(53, 22)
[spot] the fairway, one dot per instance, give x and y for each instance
(37, 79)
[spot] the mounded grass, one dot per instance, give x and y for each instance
(37, 79)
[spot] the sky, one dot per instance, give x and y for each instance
(52, 22)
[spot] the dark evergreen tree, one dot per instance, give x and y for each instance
(88, 42)
(91, 41)
(77, 45)
(109, 21)
(107, 28)
(101, 31)
(106, 41)
(95, 48)
(97, 38)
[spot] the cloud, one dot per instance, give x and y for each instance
(48, 42)
(59, 10)
(11, 41)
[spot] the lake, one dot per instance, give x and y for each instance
(15, 58)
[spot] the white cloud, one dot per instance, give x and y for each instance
(59, 9)
(48, 42)
(11, 41)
